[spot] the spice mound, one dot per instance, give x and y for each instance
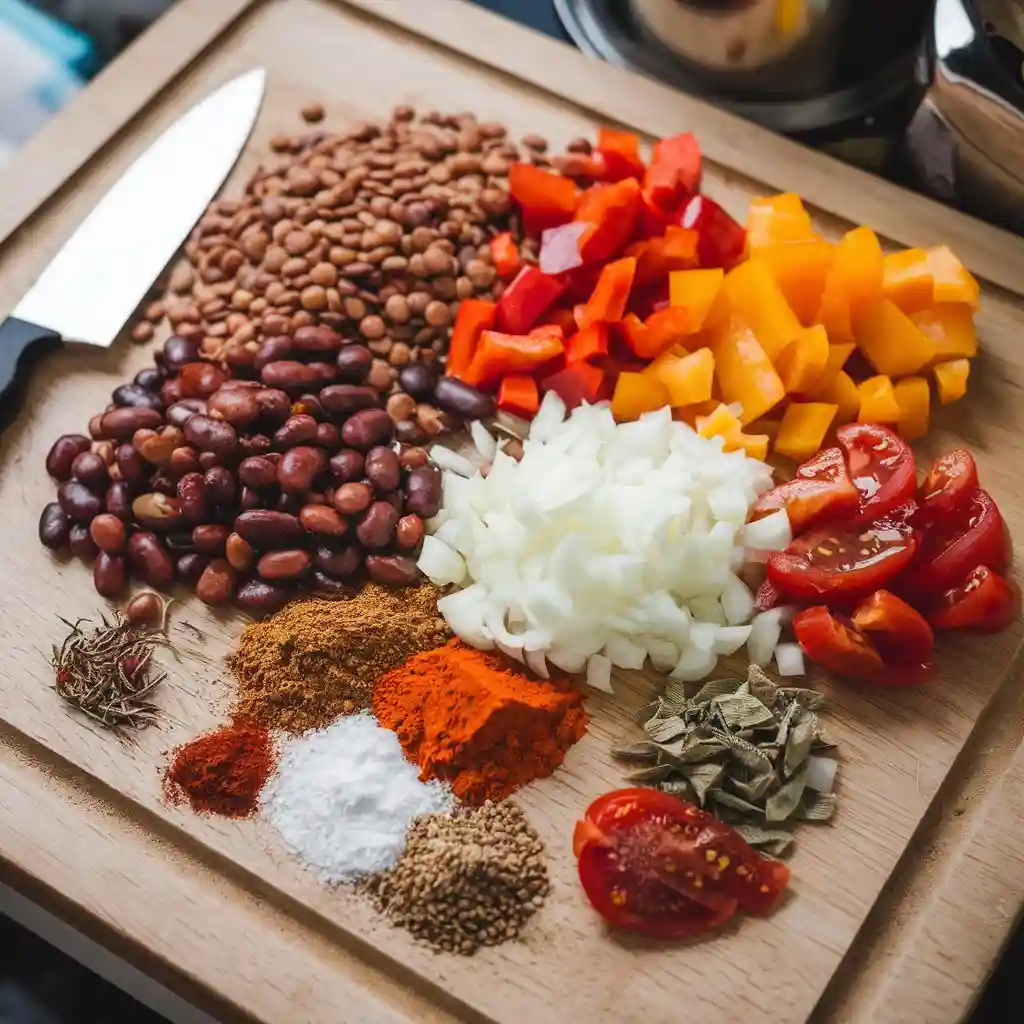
(343, 798)
(315, 660)
(469, 879)
(222, 772)
(464, 718)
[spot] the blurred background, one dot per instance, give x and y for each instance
(929, 93)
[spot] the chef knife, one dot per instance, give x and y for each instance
(104, 270)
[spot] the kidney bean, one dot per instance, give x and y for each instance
(54, 527)
(328, 436)
(383, 469)
(162, 482)
(109, 533)
(423, 491)
(299, 467)
(462, 400)
(212, 436)
(289, 375)
(158, 511)
(418, 380)
(347, 466)
(275, 349)
(396, 499)
(323, 520)
(413, 458)
(299, 429)
(259, 598)
(200, 380)
(409, 532)
(254, 444)
(121, 424)
(263, 528)
(377, 525)
(211, 538)
(192, 497)
(325, 373)
(96, 427)
(119, 500)
(234, 406)
(207, 460)
(150, 378)
(110, 575)
(257, 472)
(220, 485)
(290, 503)
(318, 338)
(351, 499)
(410, 432)
(239, 552)
(89, 469)
(179, 351)
(78, 501)
(310, 405)
(250, 498)
(189, 567)
(181, 412)
(354, 362)
(81, 544)
(344, 399)
(217, 583)
(366, 429)
(184, 460)
(238, 384)
(171, 391)
(136, 396)
(65, 450)
(150, 560)
(341, 563)
(179, 542)
(392, 570)
(275, 406)
(324, 584)
(289, 564)
(130, 463)
(157, 447)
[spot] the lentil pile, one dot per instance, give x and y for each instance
(318, 659)
(465, 880)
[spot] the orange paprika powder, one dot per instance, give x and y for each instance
(465, 719)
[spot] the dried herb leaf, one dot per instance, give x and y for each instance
(754, 789)
(716, 688)
(775, 841)
(666, 730)
(735, 803)
(799, 742)
(650, 776)
(810, 699)
(761, 687)
(644, 750)
(702, 777)
(783, 802)
(742, 712)
(693, 749)
(680, 788)
(816, 806)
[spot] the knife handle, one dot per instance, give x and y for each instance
(19, 340)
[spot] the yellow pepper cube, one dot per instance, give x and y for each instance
(951, 379)
(913, 396)
(803, 428)
(877, 401)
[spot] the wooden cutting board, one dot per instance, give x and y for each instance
(898, 910)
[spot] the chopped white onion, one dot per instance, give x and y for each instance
(537, 663)
(663, 653)
(730, 639)
(765, 631)
(439, 563)
(599, 673)
(737, 601)
(821, 773)
(789, 659)
(484, 440)
(772, 533)
(445, 458)
(694, 664)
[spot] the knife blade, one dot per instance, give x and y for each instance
(104, 270)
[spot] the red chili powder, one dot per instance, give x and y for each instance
(222, 772)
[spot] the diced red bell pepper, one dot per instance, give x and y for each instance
(518, 395)
(607, 303)
(676, 249)
(560, 248)
(588, 344)
(633, 332)
(559, 318)
(556, 331)
(545, 199)
(674, 172)
(611, 211)
(525, 300)
(499, 354)
(474, 316)
(505, 254)
(621, 153)
(580, 284)
(722, 239)
(576, 384)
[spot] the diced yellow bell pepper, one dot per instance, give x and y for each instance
(636, 394)
(722, 422)
(745, 373)
(802, 363)
(950, 326)
(893, 344)
(755, 445)
(877, 401)
(951, 379)
(799, 269)
(953, 281)
(803, 428)
(913, 396)
(837, 358)
(689, 379)
(844, 394)
(695, 291)
(780, 218)
(755, 297)
(907, 280)
(691, 413)
(853, 283)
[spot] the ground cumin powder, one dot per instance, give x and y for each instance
(318, 659)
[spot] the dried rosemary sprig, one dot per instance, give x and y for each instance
(741, 748)
(106, 673)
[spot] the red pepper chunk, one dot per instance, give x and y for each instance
(525, 300)
(505, 254)
(674, 172)
(611, 213)
(656, 257)
(607, 303)
(722, 240)
(578, 383)
(518, 396)
(546, 200)
(474, 316)
(621, 154)
(588, 344)
(498, 355)
(660, 331)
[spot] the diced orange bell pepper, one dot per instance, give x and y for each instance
(853, 283)
(588, 345)
(892, 343)
(634, 334)
(556, 318)
(722, 422)
(907, 280)
(545, 199)
(689, 379)
(474, 316)
(663, 329)
(505, 254)
(691, 413)
(877, 401)
(953, 281)
(745, 373)
(755, 297)
(913, 396)
(774, 219)
(843, 393)
(518, 395)
(636, 394)
(656, 257)
(621, 154)
(802, 363)
(575, 384)
(607, 302)
(803, 428)
(611, 213)
(695, 291)
(837, 359)
(498, 355)
(950, 327)
(674, 172)
(951, 379)
(799, 269)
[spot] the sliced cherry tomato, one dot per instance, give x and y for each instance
(900, 633)
(950, 480)
(845, 561)
(880, 465)
(652, 863)
(767, 596)
(830, 643)
(985, 602)
(972, 535)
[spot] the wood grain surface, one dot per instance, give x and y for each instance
(898, 910)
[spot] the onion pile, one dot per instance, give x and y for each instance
(605, 545)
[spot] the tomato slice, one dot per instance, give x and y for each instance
(822, 491)
(654, 864)
(767, 596)
(899, 632)
(972, 535)
(985, 603)
(880, 465)
(950, 480)
(837, 563)
(830, 643)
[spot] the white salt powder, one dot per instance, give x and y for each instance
(343, 797)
